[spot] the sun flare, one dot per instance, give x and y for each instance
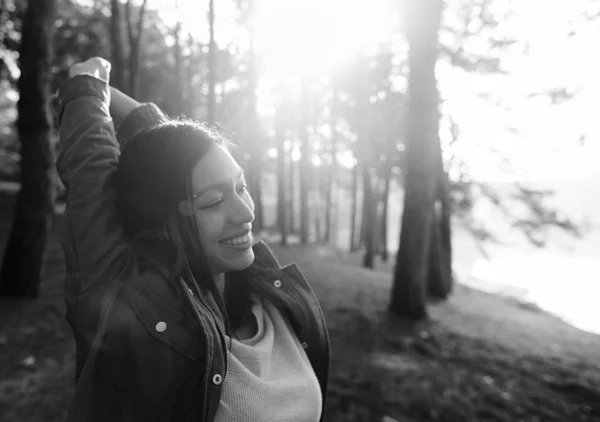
(300, 37)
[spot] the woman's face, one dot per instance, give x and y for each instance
(224, 211)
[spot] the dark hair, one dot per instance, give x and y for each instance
(154, 168)
(153, 177)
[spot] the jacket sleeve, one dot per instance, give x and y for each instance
(88, 152)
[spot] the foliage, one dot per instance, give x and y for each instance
(364, 97)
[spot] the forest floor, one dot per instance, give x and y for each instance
(480, 357)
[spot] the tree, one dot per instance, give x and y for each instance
(134, 37)
(331, 172)
(369, 213)
(116, 39)
(21, 271)
(212, 64)
(280, 140)
(408, 297)
(304, 160)
(439, 282)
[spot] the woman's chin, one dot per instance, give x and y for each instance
(239, 263)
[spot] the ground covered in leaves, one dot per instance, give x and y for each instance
(479, 358)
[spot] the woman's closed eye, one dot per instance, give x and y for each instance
(214, 203)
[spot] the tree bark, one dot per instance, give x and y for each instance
(304, 163)
(117, 73)
(385, 198)
(440, 255)
(254, 140)
(212, 65)
(331, 176)
(134, 37)
(353, 245)
(22, 265)
(292, 190)
(369, 208)
(281, 200)
(409, 291)
(178, 101)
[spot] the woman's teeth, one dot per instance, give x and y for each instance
(237, 241)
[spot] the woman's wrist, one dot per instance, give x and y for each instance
(120, 106)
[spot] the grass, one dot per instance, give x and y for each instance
(480, 357)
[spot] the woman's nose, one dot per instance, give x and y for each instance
(243, 211)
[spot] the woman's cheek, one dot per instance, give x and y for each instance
(210, 227)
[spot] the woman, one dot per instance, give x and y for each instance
(177, 314)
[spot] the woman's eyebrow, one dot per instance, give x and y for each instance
(217, 185)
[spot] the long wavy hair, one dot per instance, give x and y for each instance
(154, 176)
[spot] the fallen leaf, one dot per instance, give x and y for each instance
(29, 361)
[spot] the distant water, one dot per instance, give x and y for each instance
(563, 279)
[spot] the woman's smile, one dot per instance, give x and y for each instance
(242, 242)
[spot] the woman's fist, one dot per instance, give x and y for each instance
(96, 67)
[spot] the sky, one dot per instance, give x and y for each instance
(297, 36)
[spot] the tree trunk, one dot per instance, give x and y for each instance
(292, 190)
(178, 101)
(369, 207)
(254, 140)
(383, 239)
(22, 265)
(440, 254)
(331, 175)
(134, 37)
(363, 214)
(304, 163)
(117, 73)
(353, 246)
(409, 291)
(281, 200)
(212, 65)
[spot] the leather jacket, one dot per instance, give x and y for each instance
(150, 347)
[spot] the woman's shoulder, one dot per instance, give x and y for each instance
(144, 310)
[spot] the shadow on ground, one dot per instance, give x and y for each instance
(479, 358)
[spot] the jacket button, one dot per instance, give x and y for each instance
(277, 283)
(161, 326)
(217, 379)
(305, 345)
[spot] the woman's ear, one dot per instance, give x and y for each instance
(186, 208)
(171, 229)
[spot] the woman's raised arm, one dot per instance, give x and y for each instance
(91, 234)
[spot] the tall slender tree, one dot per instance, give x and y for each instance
(22, 265)
(281, 190)
(135, 31)
(179, 103)
(440, 254)
(304, 161)
(254, 146)
(409, 291)
(354, 204)
(116, 41)
(331, 177)
(292, 188)
(369, 213)
(212, 65)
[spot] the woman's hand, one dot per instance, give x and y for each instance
(120, 104)
(96, 67)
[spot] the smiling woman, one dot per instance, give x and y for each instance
(177, 313)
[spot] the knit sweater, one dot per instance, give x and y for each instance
(270, 378)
